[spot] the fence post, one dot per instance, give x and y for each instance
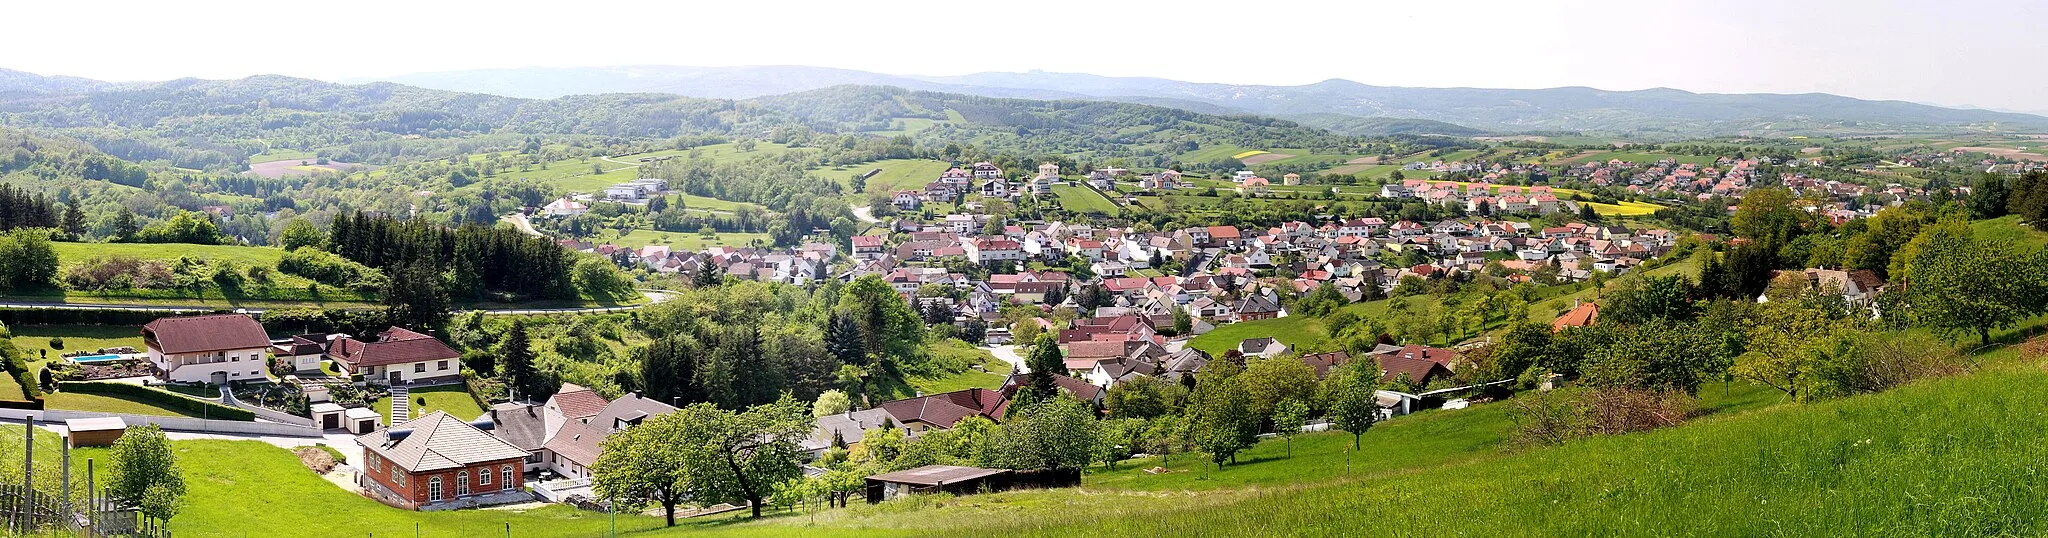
(28, 472)
(70, 523)
(92, 505)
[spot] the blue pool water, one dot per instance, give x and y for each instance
(96, 358)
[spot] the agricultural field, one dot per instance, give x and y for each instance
(1642, 157)
(299, 167)
(640, 237)
(1084, 200)
(896, 174)
(284, 290)
(282, 155)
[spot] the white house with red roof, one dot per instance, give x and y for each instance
(206, 349)
(397, 357)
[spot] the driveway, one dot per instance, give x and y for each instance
(1008, 353)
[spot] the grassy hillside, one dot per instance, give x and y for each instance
(283, 290)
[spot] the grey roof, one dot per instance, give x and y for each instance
(579, 441)
(438, 441)
(519, 424)
(850, 426)
(931, 475)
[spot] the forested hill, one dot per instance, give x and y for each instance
(1024, 126)
(215, 125)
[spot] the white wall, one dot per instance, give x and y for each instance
(239, 364)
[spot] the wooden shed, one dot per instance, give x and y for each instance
(100, 431)
(934, 479)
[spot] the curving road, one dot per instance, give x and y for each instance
(865, 214)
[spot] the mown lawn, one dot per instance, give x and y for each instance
(451, 398)
(896, 174)
(680, 241)
(109, 403)
(1295, 331)
(1084, 200)
(35, 339)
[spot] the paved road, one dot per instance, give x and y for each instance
(653, 296)
(1008, 353)
(865, 214)
(520, 223)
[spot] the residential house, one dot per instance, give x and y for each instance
(440, 462)
(217, 348)
(398, 357)
(575, 446)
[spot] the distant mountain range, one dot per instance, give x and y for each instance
(1650, 112)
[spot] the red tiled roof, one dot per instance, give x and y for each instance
(945, 410)
(1095, 349)
(1580, 316)
(394, 346)
(193, 334)
(578, 402)
(1417, 370)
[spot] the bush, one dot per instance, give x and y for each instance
(160, 398)
(1553, 417)
(330, 269)
(57, 343)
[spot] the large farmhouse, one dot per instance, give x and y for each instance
(440, 462)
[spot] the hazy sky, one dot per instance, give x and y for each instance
(1987, 53)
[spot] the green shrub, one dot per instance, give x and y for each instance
(57, 343)
(330, 269)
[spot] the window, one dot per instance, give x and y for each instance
(462, 484)
(483, 477)
(419, 367)
(371, 458)
(443, 365)
(397, 478)
(434, 489)
(506, 474)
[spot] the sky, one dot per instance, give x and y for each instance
(1981, 53)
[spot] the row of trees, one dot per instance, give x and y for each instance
(481, 260)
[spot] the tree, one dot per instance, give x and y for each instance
(145, 472)
(1768, 216)
(74, 219)
(27, 259)
(1183, 324)
(736, 457)
(1144, 397)
(1268, 382)
(2029, 199)
(644, 464)
(1221, 416)
(1668, 297)
(600, 278)
(1990, 197)
(887, 324)
(125, 227)
(1779, 350)
(515, 359)
(415, 296)
(1288, 419)
(1352, 394)
(1045, 360)
(831, 402)
(668, 369)
(1959, 285)
(301, 233)
(1053, 433)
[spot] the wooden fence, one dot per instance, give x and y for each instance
(27, 510)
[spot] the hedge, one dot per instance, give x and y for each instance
(80, 316)
(159, 397)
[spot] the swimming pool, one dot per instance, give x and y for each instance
(95, 359)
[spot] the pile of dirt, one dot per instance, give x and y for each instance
(314, 458)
